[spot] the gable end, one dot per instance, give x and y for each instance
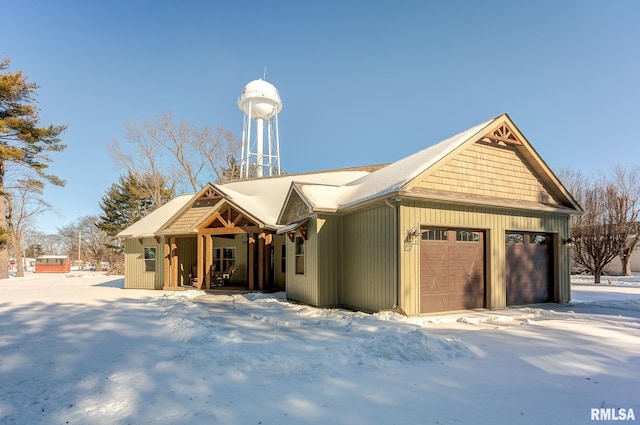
(489, 169)
(295, 209)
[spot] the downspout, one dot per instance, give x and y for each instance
(396, 295)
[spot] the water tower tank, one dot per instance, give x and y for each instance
(260, 99)
(260, 104)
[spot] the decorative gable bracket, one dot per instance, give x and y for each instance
(503, 134)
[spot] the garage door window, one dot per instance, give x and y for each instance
(434, 235)
(465, 236)
(537, 239)
(514, 238)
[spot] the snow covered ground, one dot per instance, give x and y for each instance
(79, 349)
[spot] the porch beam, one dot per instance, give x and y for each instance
(229, 230)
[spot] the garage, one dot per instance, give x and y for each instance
(452, 270)
(528, 268)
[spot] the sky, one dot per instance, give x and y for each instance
(361, 83)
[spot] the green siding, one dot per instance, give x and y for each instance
(135, 276)
(280, 276)
(304, 287)
(187, 253)
(330, 258)
(369, 259)
(495, 222)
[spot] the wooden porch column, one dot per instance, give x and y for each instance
(251, 242)
(199, 259)
(267, 260)
(208, 255)
(261, 262)
(167, 263)
(174, 263)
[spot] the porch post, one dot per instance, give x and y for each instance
(167, 263)
(251, 242)
(268, 240)
(208, 261)
(199, 261)
(174, 263)
(261, 263)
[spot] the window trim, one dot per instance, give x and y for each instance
(222, 260)
(150, 263)
(299, 254)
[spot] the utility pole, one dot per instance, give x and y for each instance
(79, 243)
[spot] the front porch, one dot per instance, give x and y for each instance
(228, 250)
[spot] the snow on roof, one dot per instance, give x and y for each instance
(147, 226)
(264, 198)
(387, 179)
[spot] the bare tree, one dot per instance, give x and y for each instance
(144, 162)
(628, 181)
(219, 152)
(38, 243)
(85, 237)
(182, 154)
(602, 231)
(22, 206)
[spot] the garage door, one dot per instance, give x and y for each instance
(451, 270)
(528, 268)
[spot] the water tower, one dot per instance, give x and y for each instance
(260, 103)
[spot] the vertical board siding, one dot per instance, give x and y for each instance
(279, 276)
(187, 257)
(304, 287)
(135, 277)
(368, 260)
(495, 222)
(329, 260)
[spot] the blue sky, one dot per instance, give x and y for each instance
(361, 82)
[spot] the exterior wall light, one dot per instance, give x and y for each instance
(569, 242)
(413, 235)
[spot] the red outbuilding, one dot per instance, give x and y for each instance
(53, 264)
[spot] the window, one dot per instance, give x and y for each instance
(224, 259)
(465, 236)
(299, 255)
(537, 239)
(149, 259)
(514, 238)
(434, 235)
(283, 258)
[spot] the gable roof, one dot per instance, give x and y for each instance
(398, 177)
(265, 200)
(149, 225)
(389, 179)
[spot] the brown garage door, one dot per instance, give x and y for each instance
(528, 268)
(451, 270)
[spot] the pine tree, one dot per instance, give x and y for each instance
(126, 202)
(23, 144)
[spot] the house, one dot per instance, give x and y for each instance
(475, 221)
(53, 264)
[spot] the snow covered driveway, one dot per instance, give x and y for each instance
(81, 350)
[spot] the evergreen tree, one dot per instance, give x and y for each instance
(126, 202)
(22, 142)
